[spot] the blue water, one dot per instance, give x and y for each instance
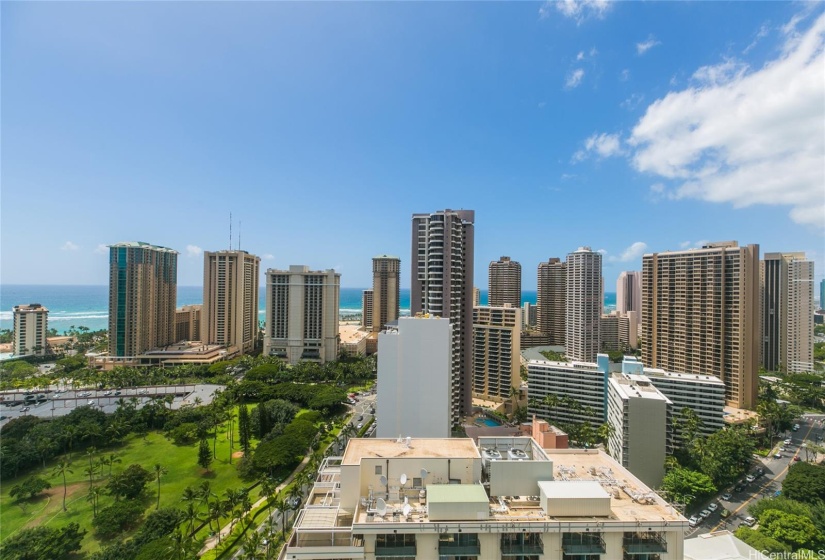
(88, 306)
(488, 422)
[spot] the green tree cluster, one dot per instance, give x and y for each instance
(43, 543)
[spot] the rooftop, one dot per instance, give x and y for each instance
(143, 245)
(351, 334)
(720, 545)
(629, 386)
(452, 448)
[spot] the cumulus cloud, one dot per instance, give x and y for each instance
(268, 257)
(644, 46)
(69, 246)
(632, 253)
(578, 10)
(580, 56)
(744, 136)
(193, 251)
(574, 78)
(101, 249)
(602, 145)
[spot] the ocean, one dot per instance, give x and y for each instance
(88, 306)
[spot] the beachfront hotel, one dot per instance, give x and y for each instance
(584, 299)
(414, 378)
(504, 283)
(143, 282)
(787, 286)
(188, 322)
(386, 291)
(500, 499)
(552, 300)
(701, 314)
(230, 299)
(442, 285)
(496, 352)
(302, 314)
(31, 323)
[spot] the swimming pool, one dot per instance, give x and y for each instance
(487, 422)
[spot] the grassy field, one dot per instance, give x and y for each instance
(179, 460)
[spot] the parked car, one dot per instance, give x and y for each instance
(294, 502)
(25, 409)
(777, 455)
(749, 521)
(704, 514)
(750, 478)
(713, 507)
(91, 403)
(739, 487)
(787, 441)
(795, 427)
(694, 521)
(796, 458)
(360, 426)
(727, 496)
(725, 514)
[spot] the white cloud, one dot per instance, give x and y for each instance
(743, 136)
(684, 244)
(578, 10)
(602, 251)
(644, 46)
(69, 246)
(631, 253)
(625, 75)
(632, 102)
(761, 34)
(580, 56)
(193, 251)
(574, 78)
(693, 244)
(101, 249)
(603, 145)
(268, 257)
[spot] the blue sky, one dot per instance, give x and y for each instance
(629, 127)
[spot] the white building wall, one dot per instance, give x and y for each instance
(414, 379)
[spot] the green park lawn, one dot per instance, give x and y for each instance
(179, 460)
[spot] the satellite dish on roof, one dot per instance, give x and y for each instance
(383, 480)
(403, 479)
(407, 509)
(424, 473)
(381, 506)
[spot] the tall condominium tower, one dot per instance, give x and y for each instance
(822, 294)
(787, 281)
(552, 300)
(496, 351)
(476, 297)
(30, 325)
(143, 283)
(230, 299)
(442, 285)
(367, 307)
(505, 283)
(629, 291)
(386, 299)
(700, 311)
(302, 314)
(584, 304)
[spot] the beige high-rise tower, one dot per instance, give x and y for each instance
(551, 300)
(584, 304)
(386, 299)
(442, 284)
(30, 325)
(230, 299)
(505, 283)
(700, 310)
(302, 308)
(143, 283)
(787, 286)
(629, 291)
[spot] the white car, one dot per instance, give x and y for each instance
(749, 521)
(713, 507)
(694, 521)
(750, 478)
(787, 441)
(704, 514)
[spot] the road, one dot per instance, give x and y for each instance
(810, 429)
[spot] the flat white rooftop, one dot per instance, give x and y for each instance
(580, 489)
(447, 448)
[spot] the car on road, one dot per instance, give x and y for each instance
(117, 392)
(750, 478)
(759, 472)
(727, 496)
(787, 441)
(795, 427)
(361, 417)
(91, 403)
(25, 409)
(294, 502)
(713, 507)
(777, 455)
(796, 458)
(694, 521)
(739, 487)
(143, 391)
(749, 521)
(360, 426)
(704, 514)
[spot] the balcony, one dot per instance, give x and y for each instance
(394, 551)
(643, 543)
(459, 545)
(522, 549)
(582, 543)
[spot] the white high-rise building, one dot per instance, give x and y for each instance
(442, 282)
(30, 325)
(230, 299)
(787, 287)
(414, 378)
(302, 314)
(584, 304)
(629, 291)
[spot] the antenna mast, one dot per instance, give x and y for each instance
(230, 231)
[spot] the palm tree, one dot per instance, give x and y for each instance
(190, 495)
(94, 497)
(280, 506)
(91, 471)
(111, 460)
(159, 471)
(267, 491)
(191, 515)
(251, 545)
(63, 466)
(205, 492)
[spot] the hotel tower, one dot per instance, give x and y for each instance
(230, 299)
(143, 282)
(505, 283)
(701, 315)
(386, 270)
(442, 285)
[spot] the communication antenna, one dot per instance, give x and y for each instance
(407, 509)
(403, 479)
(383, 480)
(381, 506)
(424, 474)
